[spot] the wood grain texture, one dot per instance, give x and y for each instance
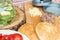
(47, 31)
(29, 18)
(28, 30)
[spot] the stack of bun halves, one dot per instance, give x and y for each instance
(35, 29)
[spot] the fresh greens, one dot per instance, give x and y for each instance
(7, 12)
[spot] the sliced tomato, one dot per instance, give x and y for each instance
(0, 36)
(11, 37)
(15, 37)
(5, 37)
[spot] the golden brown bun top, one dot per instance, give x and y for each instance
(57, 21)
(28, 30)
(47, 31)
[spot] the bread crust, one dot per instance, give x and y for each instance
(29, 31)
(47, 31)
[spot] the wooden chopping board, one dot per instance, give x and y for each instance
(28, 29)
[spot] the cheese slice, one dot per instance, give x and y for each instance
(35, 12)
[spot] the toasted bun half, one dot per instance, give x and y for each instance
(28, 30)
(47, 31)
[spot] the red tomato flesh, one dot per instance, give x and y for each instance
(16, 37)
(0, 36)
(11, 37)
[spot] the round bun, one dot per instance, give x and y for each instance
(47, 31)
(29, 31)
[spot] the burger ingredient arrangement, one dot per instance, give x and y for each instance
(34, 28)
(37, 29)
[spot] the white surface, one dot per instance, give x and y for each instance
(12, 32)
(56, 1)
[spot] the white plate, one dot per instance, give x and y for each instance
(12, 32)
